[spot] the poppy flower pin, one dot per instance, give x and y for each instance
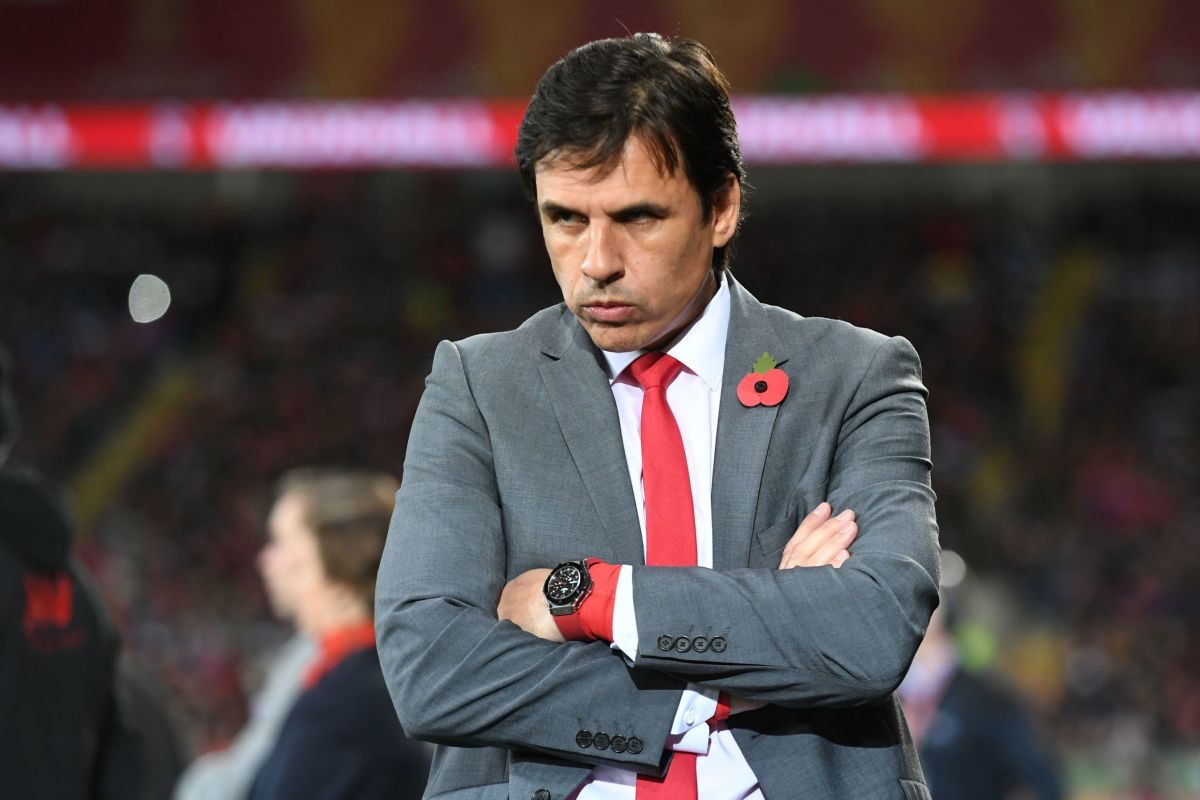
(765, 385)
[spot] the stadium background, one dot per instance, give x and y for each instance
(1052, 290)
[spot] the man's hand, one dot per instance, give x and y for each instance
(523, 603)
(820, 539)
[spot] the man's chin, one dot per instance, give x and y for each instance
(614, 338)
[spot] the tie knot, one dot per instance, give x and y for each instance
(655, 369)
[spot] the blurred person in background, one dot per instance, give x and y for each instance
(151, 711)
(229, 774)
(64, 732)
(975, 740)
(341, 739)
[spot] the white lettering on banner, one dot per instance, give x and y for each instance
(352, 135)
(1165, 125)
(1021, 127)
(170, 136)
(834, 129)
(34, 138)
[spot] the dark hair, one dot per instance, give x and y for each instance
(348, 512)
(669, 92)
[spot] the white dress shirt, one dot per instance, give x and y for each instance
(695, 400)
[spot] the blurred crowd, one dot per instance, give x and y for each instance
(1059, 349)
(1061, 355)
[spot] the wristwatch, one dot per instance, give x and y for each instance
(567, 586)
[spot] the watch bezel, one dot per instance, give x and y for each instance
(571, 603)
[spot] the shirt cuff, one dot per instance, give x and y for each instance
(689, 730)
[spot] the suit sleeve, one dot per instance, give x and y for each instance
(821, 637)
(456, 674)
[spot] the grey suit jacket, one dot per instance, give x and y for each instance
(515, 462)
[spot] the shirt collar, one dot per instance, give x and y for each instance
(700, 347)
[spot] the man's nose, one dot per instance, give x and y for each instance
(602, 263)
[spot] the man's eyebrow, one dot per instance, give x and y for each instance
(646, 208)
(553, 209)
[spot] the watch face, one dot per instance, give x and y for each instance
(563, 583)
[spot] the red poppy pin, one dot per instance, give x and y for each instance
(766, 385)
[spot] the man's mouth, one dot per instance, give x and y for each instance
(605, 311)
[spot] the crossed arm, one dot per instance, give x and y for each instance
(821, 539)
(461, 674)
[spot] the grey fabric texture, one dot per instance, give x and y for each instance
(515, 462)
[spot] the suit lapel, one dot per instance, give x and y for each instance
(578, 388)
(743, 434)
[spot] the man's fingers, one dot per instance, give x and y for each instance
(819, 538)
(837, 542)
(815, 530)
(840, 559)
(810, 523)
(505, 608)
(801, 543)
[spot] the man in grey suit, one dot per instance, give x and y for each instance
(767, 668)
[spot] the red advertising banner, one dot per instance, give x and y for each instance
(455, 133)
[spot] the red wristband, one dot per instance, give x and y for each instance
(570, 627)
(593, 620)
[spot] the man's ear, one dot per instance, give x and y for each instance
(726, 209)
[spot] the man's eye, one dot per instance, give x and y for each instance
(640, 217)
(567, 218)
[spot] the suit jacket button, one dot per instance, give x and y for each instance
(700, 644)
(540, 794)
(619, 743)
(584, 739)
(634, 745)
(600, 741)
(666, 643)
(683, 644)
(718, 644)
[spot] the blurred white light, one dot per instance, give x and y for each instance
(954, 569)
(149, 298)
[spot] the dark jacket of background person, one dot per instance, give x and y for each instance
(981, 746)
(229, 774)
(61, 731)
(147, 708)
(342, 741)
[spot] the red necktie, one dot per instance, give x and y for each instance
(670, 520)
(670, 524)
